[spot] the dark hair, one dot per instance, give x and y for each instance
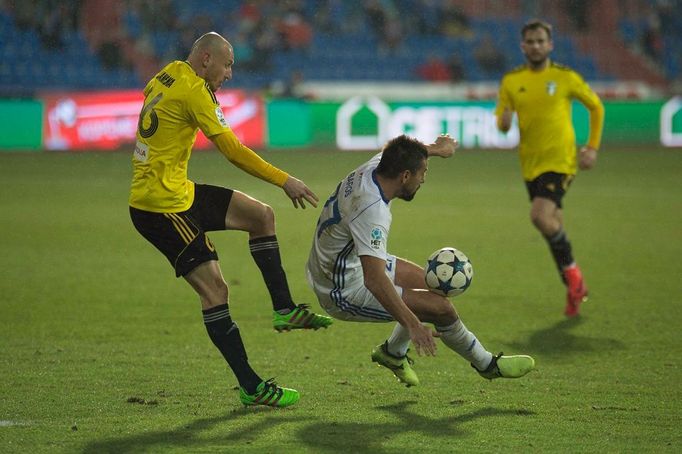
(400, 154)
(535, 24)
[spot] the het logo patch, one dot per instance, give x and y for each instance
(377, 238)
(220, 116)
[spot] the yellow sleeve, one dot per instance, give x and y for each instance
(247, 160)
(504, 101)
(583, 93)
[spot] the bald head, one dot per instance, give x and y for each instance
(212, 58)
(210, 41)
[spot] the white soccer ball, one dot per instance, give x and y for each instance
(448, 272)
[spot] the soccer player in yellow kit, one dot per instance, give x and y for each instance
(174, 214)
(541, 92)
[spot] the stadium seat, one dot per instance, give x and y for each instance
(352, 52)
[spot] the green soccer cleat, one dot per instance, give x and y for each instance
(268, 393)
(400, 366)
(507, 367)
(300, 318)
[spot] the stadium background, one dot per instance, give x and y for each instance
(103, 351)
(299, 62)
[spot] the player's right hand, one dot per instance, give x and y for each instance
(587, 158)
(297, 191)
(444, 146)
(423, 339)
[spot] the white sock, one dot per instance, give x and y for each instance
(399, 341)
(464, 343)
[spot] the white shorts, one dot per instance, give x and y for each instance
(353, 302)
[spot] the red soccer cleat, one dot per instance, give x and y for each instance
(576, 291)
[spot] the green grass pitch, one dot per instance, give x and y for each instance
(103, 350)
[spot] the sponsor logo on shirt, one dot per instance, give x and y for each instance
(377, 238)
(551, 88)
(141, 152)
(220, 116)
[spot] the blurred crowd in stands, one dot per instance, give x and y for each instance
(293, 40)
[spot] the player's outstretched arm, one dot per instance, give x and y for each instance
(247, 160)
(444, 146)
(377, 282)
(297, 191)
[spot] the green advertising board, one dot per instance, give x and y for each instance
(288, 120)
(22, 124)
(625, 122)
(366, 122)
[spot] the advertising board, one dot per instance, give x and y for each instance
(107, 120)
(366, 122)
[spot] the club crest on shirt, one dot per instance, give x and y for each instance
(220, 116)
(551, 88)
(377, 238)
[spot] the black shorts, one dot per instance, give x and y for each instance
(550, 185)
(181, 237)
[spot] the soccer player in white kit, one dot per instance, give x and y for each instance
(356, 279)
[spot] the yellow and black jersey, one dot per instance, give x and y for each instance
(177, 103)
(542, 102)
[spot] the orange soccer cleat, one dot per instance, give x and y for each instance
(576, 291)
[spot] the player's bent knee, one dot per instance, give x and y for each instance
(221, 289)
(542, 222)
(264, 222)
(215, 293)
(445, 312)
(439, 311)
(268, 215)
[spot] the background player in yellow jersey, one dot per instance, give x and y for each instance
(541, 92)
(174, 213)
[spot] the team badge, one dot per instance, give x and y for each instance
(220, 116)
(377, 238)
(551, 88)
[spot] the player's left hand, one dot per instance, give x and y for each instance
(587, 158)
(444, 146)
(297, 191)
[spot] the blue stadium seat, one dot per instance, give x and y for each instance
(628, 31)
(348, 55)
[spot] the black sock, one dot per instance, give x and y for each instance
(225, 336)
(561, 250)
(265, 252)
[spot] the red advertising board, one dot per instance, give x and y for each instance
(107, 120)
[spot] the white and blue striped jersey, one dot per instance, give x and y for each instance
(355, 221)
